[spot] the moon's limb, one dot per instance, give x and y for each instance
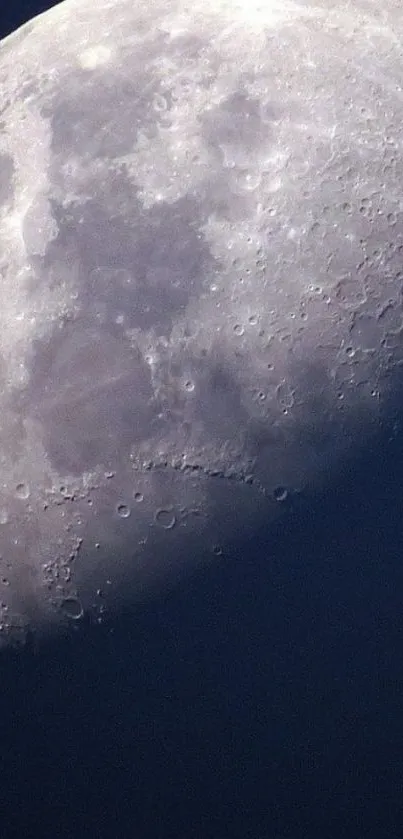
(201, 271)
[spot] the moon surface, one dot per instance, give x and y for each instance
(201, 265)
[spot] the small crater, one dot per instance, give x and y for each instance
(72, 608)
(22, 491)
(160, 103)
(165, 518)
(123, 511)
(285, 396)
(350, 293)
(366, 208)
(280, 494)
(248, 180)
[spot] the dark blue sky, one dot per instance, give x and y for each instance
(12, 15)
(262, 700)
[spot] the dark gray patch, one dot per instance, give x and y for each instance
(7, 170)
(100, 112)
(161, 249)
(217, 404)
(91, 117)
(366, 332)
(233, 132)
(216, 399)
(92, 394)
(236, 123)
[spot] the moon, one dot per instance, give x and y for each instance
(201, 269)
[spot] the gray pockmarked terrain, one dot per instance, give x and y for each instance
(201, 262)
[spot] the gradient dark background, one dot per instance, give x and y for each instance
(262, 699)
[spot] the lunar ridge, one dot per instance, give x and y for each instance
(200, 283)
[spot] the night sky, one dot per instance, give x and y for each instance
(263, 699)
(14, 14)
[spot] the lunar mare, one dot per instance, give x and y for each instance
(200, 283)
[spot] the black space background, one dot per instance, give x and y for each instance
(262, 699)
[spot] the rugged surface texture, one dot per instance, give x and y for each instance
(201, 270)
